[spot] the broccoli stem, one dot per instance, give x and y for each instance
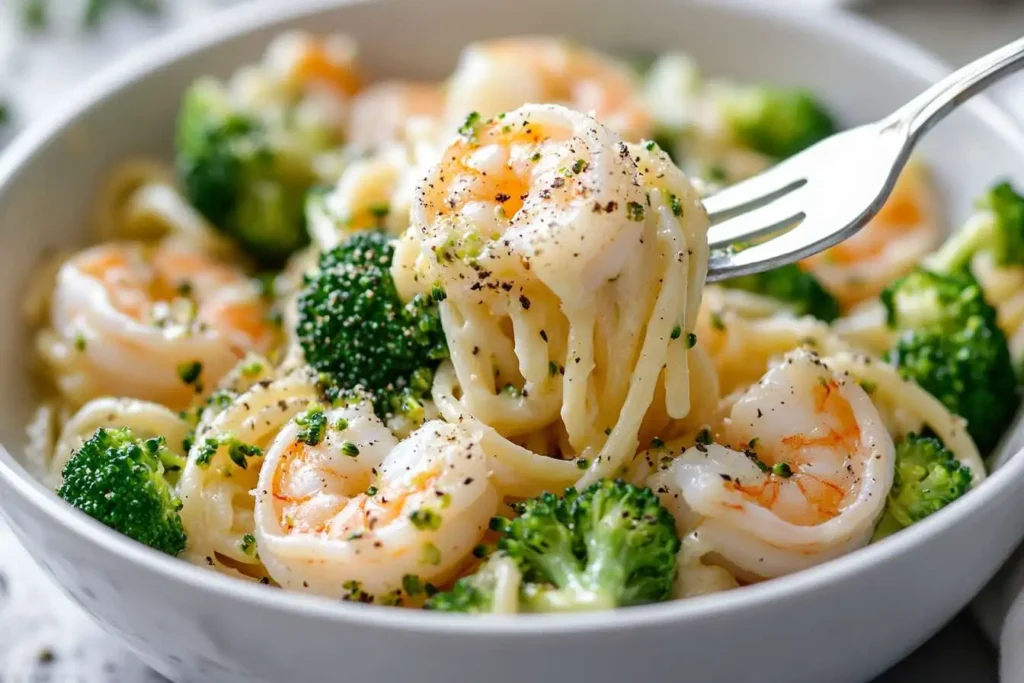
(171, 461)
(560, 566)
(887, 526)
(956, 253)
(573, 596)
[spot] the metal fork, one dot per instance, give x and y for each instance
(828, 192)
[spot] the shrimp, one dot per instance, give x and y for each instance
(799, 475)
(907, 228)
(152, 323)
(501, 75)
(304, 62)
(541, 193)
(352, 515)
(381, 113)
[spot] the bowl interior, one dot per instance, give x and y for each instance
(49, 177)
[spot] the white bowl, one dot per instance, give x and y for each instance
(843, 621)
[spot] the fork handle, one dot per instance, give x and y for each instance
(931, 106)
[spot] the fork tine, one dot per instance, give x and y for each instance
(762, 221)
(802, 241)
(779, 179)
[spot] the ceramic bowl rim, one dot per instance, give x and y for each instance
(235, 22)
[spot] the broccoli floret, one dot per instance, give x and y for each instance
(927, 478)
(360, 337)
(471, 595)
(122, 481)
(248, 180)
(777, 122)
(799, 290)
(611, 545)
(951, 345)
(929, 299)
(999, 230)
(475, 594)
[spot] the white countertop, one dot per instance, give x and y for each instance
(44, 638)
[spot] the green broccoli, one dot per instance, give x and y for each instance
(474, 594)
(999, 230)
(122, 481)
(777, 122)
(610, 545)
(245, 176)
(951, 345)
(798, 289)
(927, 478)
(360, 337)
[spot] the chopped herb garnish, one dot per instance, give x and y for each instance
(635, 211)
(240, 452)
(355, 593)
(677, 207)
(757, 461)
(471, 125)
(579, 166)
(691, 340)
(350, 449)
(425, 518)
(249, 545)
(252, 368)
(704, 436)
(314, 425)
(782, 469)
(430, 554)
(677, 332)
(412, 584)
(582, 463)
(190, 372)
(206, 452)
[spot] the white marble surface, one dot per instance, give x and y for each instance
(45, 639)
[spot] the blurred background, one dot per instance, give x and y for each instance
(47, 47)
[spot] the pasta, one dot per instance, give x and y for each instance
(571, 307)
(357, 320)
